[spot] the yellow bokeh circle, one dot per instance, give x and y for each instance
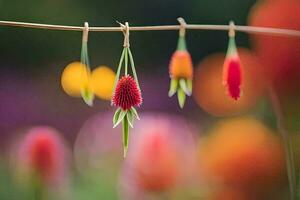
(74, 77)
(77, 77)
(102, 81)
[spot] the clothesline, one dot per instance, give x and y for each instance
(237, 28)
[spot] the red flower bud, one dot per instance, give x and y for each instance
(232, 76)
(127, 93)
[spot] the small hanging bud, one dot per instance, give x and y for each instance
(232, 69)
(181, 69)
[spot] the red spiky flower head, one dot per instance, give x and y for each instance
(127, 93)
(232, 71)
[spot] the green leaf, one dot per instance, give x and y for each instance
(183, 86)
(88, 96)
(116, 116)
(181, 97)
(130, 118)
(119, 70)
(126, 60)
(173, 87)
(120, 118)
(189, 85)
(125, 136)
(134, 112)
(133, 67)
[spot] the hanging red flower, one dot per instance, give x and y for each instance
(127, 93)
(232, 69)
(232, 76)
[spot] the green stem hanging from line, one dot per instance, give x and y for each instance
(125, 128)
(181, 45)
(119, 69)
(86, 92)
(133, 68)
(126, 60)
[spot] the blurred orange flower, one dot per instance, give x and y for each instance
(243, 153)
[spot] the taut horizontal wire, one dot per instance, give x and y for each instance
(245, 29)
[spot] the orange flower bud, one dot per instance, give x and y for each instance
(181, 65)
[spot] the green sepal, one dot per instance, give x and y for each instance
(120, 117)
(189, 83)
(181, 45)
(116, 116)
(134, 112)
(125, 128)
(232, 50)
(183, 86)
(87, 96)
(130, 118)
(181, 97)
(173, 87)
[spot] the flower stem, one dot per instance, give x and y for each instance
(290, 163)
(133, 67)
(119, 69)
(126, 60)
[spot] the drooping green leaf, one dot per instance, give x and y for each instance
(116, 116)
(183, 86)
(119, 70)
(173, 87)
(181, 97)
(130, 118)
(120, 118)
(126, 60)
(134, 112)
(125, 135)
(133, 67)
(190, 85)
(88, 96)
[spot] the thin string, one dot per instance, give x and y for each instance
(85, 33)
(245, 29)
(182, 29)
(231, 32)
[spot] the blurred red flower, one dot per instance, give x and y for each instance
(43, 153)
(156, 164)
(161, 158)
(278, 54)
